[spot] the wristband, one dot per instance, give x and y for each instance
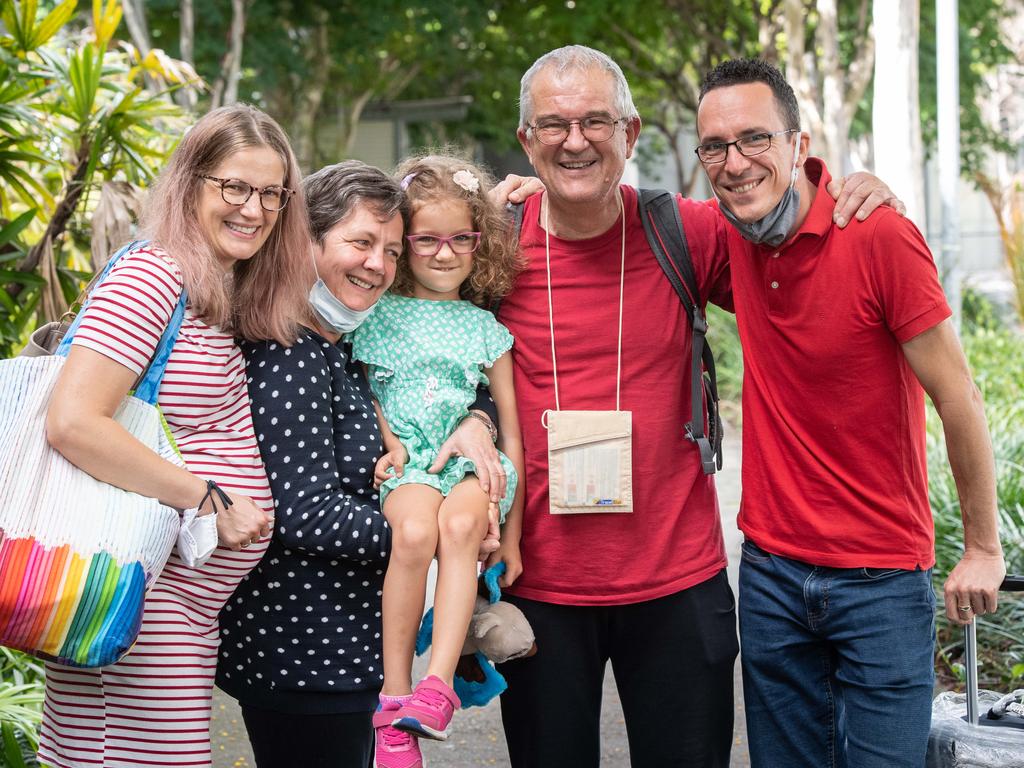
(214, 494)
(491, 429)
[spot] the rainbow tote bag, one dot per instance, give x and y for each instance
(76, 554)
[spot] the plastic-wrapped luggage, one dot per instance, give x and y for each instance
(978, 729)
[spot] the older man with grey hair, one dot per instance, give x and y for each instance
(625, 563)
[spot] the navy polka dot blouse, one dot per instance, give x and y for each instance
(302, 634)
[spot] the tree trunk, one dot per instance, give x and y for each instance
(797, 74)
(311, 95)
(895, 115)
(138, 29)
(186, 97)
(62, 213)
(225, 88)
(835, 124)
(350, 121)
(135, 20)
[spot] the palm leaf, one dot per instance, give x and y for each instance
(13, 228)
(12, 749)
(25, 278)
(54, 20)
(18, 178)
(105, 18)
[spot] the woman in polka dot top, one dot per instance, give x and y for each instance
(301, 637)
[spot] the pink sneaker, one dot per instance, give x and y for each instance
(428, 713)
(393, 748)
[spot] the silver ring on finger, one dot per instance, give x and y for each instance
(965, 609)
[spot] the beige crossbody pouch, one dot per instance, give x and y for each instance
(590, 461)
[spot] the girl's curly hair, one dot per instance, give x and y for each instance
(496, 262)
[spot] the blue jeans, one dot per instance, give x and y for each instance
(838, 664)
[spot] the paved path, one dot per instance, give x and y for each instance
(478, 739)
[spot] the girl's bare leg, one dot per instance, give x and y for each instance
(462, 523)
(412, 513)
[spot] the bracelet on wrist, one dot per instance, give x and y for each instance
(215, 493)
(491, 429)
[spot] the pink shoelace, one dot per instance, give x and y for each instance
(431, 699)
(393, 737)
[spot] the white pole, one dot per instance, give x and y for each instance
(947, 57)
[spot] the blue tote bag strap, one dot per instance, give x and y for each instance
(148, 385)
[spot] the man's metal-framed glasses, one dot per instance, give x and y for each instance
(237, 192)
(594, 129)
(748, 146)
(430, 245)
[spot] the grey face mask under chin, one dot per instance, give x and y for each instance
(773, 228)
(331, 312)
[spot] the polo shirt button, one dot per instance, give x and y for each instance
(775, 255)
(775, 284)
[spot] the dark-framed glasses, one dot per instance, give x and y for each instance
(554, 130)
(430, 245)
(238, 192)
(748, 146)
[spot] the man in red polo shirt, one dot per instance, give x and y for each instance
(843, 331)
(599, 329)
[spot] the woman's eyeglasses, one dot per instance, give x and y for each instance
(238, 192)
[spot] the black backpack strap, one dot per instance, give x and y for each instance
(663, 226)
(515, 210)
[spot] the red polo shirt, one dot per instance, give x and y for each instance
(673, 538)
(834, 465)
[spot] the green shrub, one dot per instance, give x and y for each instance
(725, 341)
(21, 703)
(995, 355)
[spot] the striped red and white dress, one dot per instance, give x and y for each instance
(153, 707)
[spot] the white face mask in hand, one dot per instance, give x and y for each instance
(197, 537)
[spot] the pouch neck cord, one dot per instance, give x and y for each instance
(551, 312)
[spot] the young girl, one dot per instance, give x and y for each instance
(426, 345)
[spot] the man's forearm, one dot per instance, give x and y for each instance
(973, 465)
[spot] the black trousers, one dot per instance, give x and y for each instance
(673, 661)
(309, 741)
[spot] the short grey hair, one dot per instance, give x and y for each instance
(333, 192)
(578, 57)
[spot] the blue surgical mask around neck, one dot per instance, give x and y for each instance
(774, 227)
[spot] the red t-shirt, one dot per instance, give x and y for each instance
(834, 465)
(673, 538)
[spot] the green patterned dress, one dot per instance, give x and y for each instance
(425, 361)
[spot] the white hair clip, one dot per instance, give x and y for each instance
(407, 181)
(466, 180)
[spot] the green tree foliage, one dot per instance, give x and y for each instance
(73, 115)
(318, 65)
(982, 48)
(989, 345)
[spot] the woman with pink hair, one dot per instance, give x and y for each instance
(226, 225)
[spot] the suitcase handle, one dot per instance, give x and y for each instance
(1012, 584)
